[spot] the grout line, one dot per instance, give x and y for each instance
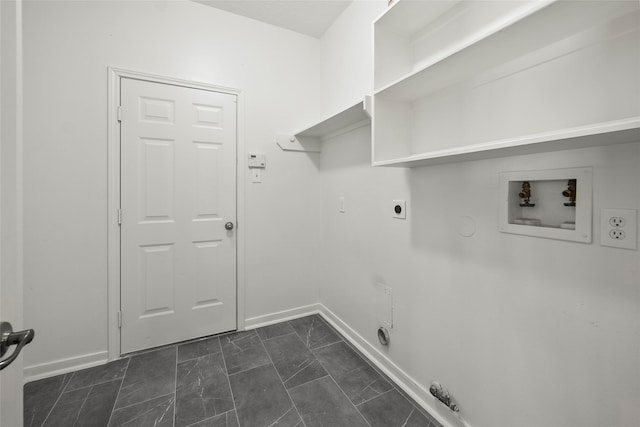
(210, 418)
(349, 400)
(408, 416)
(282, 383)
(84, 402)
(312, 381)
(144, 401)
(59, 396)
(325, 345)
(94, 384)
(279, 336)
(226, 374)
(301, 369)
(375, 397)
(178, 361)
(113, 409)
(175, 390)
(248, 369)
(66, 386)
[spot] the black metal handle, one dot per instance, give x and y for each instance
(229, 225)
(9, 338)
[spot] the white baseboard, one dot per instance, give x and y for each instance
(281, 316)
(403, 380)
(63, 366)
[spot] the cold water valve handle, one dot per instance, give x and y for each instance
(9, 338)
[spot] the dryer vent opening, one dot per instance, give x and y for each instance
(383, 335)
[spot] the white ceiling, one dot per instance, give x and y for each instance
(310, 17)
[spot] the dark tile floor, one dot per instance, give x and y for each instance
(296, 373)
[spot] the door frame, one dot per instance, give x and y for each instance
(113, 170)
(11, 199)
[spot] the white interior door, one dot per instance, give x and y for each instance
(178, 192)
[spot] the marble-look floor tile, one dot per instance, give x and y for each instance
(202, 390)
(40, 396)
(392, 410)
(98, 406)
(85, 406)
(293, 360)
(98, 374)
(314, 331)
(354, 375)
(198, 348)
(156, 412)
(322, 403)
(228, 419)
(65, 412)
(273, 331)
(261, 399)
(149, 375)
(242, 351)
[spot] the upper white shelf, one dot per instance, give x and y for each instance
(473, 79)
(310, 138)
(413, 35)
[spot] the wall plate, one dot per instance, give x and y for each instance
(399, 209)
(618, 228)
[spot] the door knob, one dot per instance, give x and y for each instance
(229, 225)
(9, 338)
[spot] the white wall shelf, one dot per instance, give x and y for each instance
(617, 132)
(523, 77)
(310, 138)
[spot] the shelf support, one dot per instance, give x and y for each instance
(288, 142)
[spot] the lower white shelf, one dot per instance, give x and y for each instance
(615, 132)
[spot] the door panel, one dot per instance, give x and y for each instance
(178, 189)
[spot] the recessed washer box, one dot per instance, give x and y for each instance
(547, 212)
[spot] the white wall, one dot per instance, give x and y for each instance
(347, 60)
(68, 47)
(523, 331)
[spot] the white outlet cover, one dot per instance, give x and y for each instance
(609, 233)
(403, 209)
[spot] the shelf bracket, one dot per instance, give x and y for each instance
(367, 105)
(289, 142)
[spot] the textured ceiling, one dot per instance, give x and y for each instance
(310, 17)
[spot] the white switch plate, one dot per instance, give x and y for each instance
(256, 176)
(341, 208)
(403, 209)
(618, 228)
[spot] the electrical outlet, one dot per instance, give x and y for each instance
(617, 221)
(399, 209)
(618, 228)
(616, 234)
